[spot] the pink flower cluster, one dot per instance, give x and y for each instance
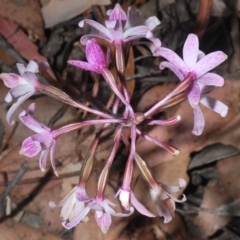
(121, 30)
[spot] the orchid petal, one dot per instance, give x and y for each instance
(112, 212)
(117, 13)
(173, 68)
(211, 79)
(64, 201)
(8, 97)
(174, 59)
(68, 207)
(194, 95)
(152, 22)
(85, 38)
(104, 221)
(201, 54)
(209, 62)
(140, 31)
(31, 78)
(199, 121)
(111, 24)
(43, 159)
(96, 25)
(83, 65)
(52, 154)
(21, 68)
(31, 122)
(214, 105)
(77, 219)
(140, 208)
(32, 67)
(10, 80)
(30, 148)
(163, 212)
(21, 90)
(190, 51)
(16, 105)
(133, 18)
(81, 195)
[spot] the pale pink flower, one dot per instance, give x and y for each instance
(21, 86)
(196, 65)
(42, 142)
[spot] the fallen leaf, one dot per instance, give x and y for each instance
(26, 14)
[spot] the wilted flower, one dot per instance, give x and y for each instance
(164, 202)
(43, 141)
(22, 86)
(196, 65)
(70, 205)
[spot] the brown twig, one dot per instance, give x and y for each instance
(202, 17)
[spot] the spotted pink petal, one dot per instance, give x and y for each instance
(83, 65)
(194, 95)
(211, 79)
(190, 51)
(174, 59)
(173, 68)
(209, 62)
(199, 121)
(214, 105)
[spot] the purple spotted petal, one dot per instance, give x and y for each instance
(94, 54)
(140, 208)
(211, 79)
(173, 68)
(199, 121)
(214, 105)
(83, 65)
(190, 51)
(194, 95)
(174, 59)
(10, 80)
(209, 62)
(30, 148)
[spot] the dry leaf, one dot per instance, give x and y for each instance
(57, 11)
(26, 14)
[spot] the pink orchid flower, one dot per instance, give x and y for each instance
(196, 65)
(102, 209)
(22, 86)
(95, 57)
(42, 142)
(122, 28)
(164, 201)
